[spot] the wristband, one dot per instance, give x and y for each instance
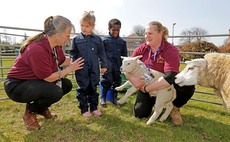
(145, 89)
(59, 73)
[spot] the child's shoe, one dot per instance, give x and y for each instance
(104, 105)
(96, 113)
(87, 114)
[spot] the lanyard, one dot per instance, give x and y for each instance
(56, 57)
(154, 57)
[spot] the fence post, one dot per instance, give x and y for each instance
(1, 61)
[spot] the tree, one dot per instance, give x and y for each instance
(139, 30)
(226, 41)
(193, 35)
(5, 38)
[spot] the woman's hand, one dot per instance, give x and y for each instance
(66, 62)
(76, 65)
(73, 66)
(137, 82)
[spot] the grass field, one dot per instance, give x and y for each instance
(203, 122)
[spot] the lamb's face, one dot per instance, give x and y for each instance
(190, 75)
(128, 64)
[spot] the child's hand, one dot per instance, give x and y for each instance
(103, 70)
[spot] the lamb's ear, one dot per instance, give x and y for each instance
(202, 63)
(123, 57)
(188, 62)
(138, 57)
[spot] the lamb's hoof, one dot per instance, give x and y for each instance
(120, 103)
(149, 123)
(162, 119)
(117, 89)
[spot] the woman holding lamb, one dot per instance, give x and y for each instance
(160, 55)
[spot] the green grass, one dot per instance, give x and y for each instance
(203, 122)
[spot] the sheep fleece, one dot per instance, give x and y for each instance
(217, 73)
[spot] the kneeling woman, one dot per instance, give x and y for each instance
(35, 77)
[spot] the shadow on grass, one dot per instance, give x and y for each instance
(212, 109)
(206, 129)
(119, 125)
(106, 128)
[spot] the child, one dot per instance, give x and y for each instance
(90, 47)
(115, 47)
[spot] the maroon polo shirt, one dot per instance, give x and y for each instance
(36, 62)
(166, 59)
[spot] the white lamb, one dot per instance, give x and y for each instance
(128, 93)
(164, 97)
(213, 71)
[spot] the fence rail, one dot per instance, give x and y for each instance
(11, 58)
(6, 56)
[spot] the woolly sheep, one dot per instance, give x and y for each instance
(164, 97)
(213, 71)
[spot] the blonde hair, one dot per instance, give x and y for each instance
(159, 27)
(88, 17)
(52, 25)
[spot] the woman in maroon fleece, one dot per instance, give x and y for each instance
(36, 78)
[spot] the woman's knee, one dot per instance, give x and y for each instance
(142, 110)
(141, 114)
(143, 105)
(66, 85)
(184, 94)
(56, 94)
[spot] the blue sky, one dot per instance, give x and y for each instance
(210, 15)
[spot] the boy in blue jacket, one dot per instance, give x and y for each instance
(115, 47)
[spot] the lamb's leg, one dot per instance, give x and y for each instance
(168, 98)
(128, 93)
(158, 109)
(123, 86)
(169, 107)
